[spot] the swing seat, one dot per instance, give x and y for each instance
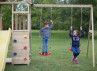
(45, 54)
(70, 49)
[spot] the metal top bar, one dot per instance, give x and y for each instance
(62, 5)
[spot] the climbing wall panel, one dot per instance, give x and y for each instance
(21, 60)
(21, 47)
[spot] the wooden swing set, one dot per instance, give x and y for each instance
(91, 24)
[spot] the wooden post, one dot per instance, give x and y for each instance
(29, 19)
(12, 18)
(93, 50)
(23, 22)
(1, 27)
(17, 21)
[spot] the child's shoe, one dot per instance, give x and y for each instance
(46, 53)
(76, 61)
(73, 59)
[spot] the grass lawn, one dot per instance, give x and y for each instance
(60, 60)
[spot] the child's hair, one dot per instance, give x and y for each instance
(78, 32)
(46, 23)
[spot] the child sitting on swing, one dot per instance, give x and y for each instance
(45, 34)
(75, 36)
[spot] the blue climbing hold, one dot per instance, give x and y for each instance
(14, 53)
(15, 41)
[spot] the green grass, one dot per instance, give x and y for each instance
(60, 60)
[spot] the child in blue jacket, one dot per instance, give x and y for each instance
(45, 35)
(75, 36)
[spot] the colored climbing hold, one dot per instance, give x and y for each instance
(25, 59)
(14, 53)
(25, 47)
(15, 41)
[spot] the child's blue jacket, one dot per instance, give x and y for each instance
(76, 39)
(45, 31)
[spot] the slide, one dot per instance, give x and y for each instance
(4, 43)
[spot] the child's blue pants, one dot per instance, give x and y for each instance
(76, 51)
(45, 45)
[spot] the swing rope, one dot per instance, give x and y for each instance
(81, 19)
(41, 12)
(88, 32)
(51, 17)
(88, 37)
(51, 13)
(71, 24)
(71, 18)
(88, 44)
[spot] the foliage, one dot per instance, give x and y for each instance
(6, 11)
(60, 16)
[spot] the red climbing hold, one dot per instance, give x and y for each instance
(25, 59)
(25, 47)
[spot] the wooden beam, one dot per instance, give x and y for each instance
(21, 12)
(10, 3)
(52, 5)
(93, 47)
(62, 5)
(8, 60)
